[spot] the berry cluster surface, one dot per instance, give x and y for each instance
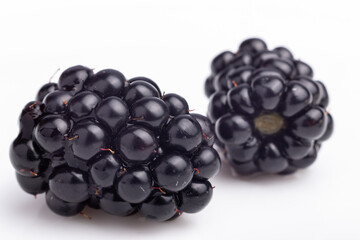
(100, 140)
(270, 115)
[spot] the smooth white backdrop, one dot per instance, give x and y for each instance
(173, 43)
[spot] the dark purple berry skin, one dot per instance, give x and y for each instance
(218, 105)
(261, 58)
(72, 79)
(265, 72)
(83, 104)
(160, 207)
(239, 75)
(206, 163)
(267, 92)
(303, 69)
(69, 185)
(284, 53)
(221, 60)
(32, 185)
(138, 90)
(239, 99)
(90, 137)
(329, 129)
(114, 205)
(207, 128)
(269, 114)
(29, 117)
(113, 113)
(289, 170)
(103, 171)
(283, 65)
(295, 148)
(150, 112)
(123, 146)
(242, 59)
(148, 80)
(173, 172)
(307, 160)
(61, 207)
(296, 99)
(106, 83)
(45, 90)
(209, 86)
(25, 159)
(324, 97)
(244, 152)
(183, 133)
(233, 129)
(244, 168)
(311, 86)
(137, 144)
(56, 102)
(50, 132)
(272, 161)
(134, 185)
(196, 196)
(220, 80)
(253, 46)
(177, 105)
(311, 125)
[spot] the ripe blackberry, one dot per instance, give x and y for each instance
(269, 114)
(119, 145)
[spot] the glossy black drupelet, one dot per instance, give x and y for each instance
(119, 145)
(269, 114)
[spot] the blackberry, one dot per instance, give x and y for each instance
(269, 114)
(102, 141)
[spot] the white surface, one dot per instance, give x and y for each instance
(173, 44)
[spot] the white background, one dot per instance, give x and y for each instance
(173, 42)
